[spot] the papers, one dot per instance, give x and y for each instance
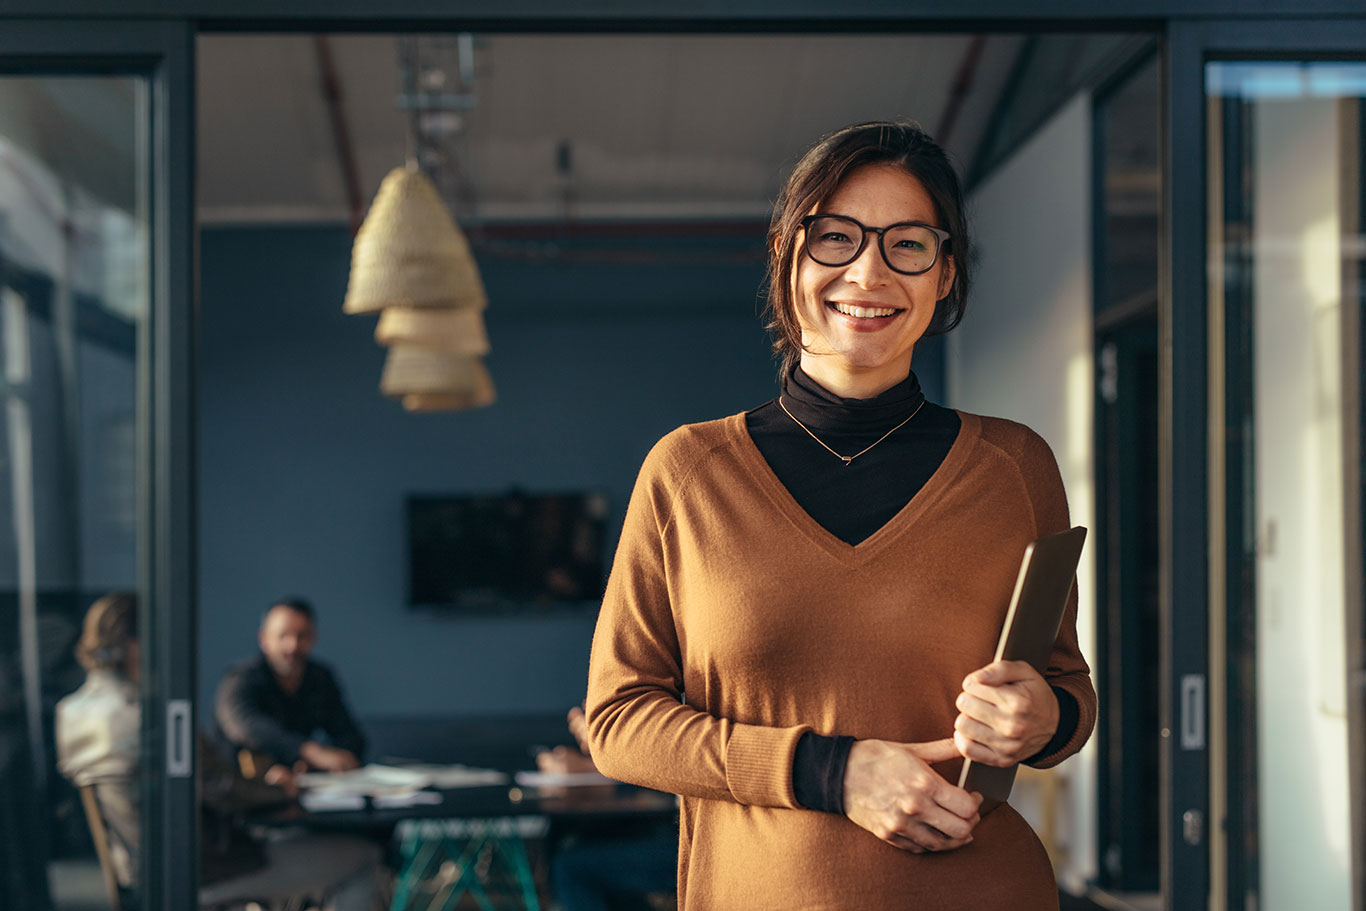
(371, 780)
(415, 799)
(562, 779)
(445, 777)
(388, 786)
(322, 800)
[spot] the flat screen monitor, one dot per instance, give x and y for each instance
(506, 552)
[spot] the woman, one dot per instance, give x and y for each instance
(97, 727)
(797, 631)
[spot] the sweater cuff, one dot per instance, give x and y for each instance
(818, 771)
(759, 765)
(1069, 716)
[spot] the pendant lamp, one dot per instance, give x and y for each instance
(412, 265)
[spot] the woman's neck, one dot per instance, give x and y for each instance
(850, 383)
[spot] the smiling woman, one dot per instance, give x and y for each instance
(806, 597)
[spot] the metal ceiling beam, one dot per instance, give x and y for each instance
(540, 15)
(330, 86)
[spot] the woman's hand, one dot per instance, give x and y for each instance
(890, 790)
(1007, 714)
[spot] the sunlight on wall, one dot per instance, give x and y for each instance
(1301, 680)
(1024, 352)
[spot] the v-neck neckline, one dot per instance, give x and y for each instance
(855, 554)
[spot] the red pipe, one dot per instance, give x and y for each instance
(341, 134)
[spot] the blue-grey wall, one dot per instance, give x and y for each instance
(304, 466)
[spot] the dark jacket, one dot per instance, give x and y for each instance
(253, 712)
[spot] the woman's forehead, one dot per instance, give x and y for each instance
(880, 194)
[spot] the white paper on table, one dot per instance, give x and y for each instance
(562, 779)
(413, 799)
(320, 801)
(457, 776)
(371, 780)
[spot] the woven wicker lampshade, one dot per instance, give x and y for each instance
(432, 380)
(409, 252)
(453, 331)
(431, 401)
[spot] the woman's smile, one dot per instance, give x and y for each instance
(865, 316)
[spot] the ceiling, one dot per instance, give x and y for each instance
(652, 126)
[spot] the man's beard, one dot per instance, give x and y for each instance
(288, 667)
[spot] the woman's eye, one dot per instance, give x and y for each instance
(910, 245)
(835, 237)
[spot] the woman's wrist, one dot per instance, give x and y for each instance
(1069, 716)
(818, 766)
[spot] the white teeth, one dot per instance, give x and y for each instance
(864, 312)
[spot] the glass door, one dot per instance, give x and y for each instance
(1287, 240)
(73, 301)
(96, 647)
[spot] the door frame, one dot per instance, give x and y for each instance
(161, 52)
(1197, 510)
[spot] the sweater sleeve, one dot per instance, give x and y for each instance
(1067, 668)
(641, 729)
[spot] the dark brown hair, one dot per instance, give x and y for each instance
(901, 144)
(110, 625)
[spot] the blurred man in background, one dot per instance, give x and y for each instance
(275, 704)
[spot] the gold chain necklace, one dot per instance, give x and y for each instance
(847, 459)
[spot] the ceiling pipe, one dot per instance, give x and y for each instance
(958, 93)
(341, 133)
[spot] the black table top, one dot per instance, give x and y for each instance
(611, 801)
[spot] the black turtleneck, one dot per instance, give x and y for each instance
(852, 502)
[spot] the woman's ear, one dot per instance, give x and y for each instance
(946, 277)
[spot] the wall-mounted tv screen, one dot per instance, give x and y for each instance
(506, 552)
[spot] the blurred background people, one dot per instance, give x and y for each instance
(97, 733)
(275, 704)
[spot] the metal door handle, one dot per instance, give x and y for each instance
(178, 731)
(1193, 826)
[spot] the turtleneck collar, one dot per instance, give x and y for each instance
(820, 409)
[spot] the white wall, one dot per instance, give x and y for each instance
(1024, 351)
(1301, 660)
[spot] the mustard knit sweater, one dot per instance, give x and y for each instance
(733, 623)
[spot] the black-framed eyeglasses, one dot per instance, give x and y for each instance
(907, 247)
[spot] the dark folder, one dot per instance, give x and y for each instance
(1028, 634)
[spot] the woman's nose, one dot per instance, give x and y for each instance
(868, 269)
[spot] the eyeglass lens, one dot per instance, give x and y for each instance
(836, 241)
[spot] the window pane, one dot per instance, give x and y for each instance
(1286, 261)
(73, 294)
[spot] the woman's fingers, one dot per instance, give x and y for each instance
(935, 750)
(1007, 713)
(925, 839)
(890, 790)
(980, 752)
(948, 825)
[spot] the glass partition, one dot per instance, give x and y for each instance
(1286, 249)
(74, 267)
